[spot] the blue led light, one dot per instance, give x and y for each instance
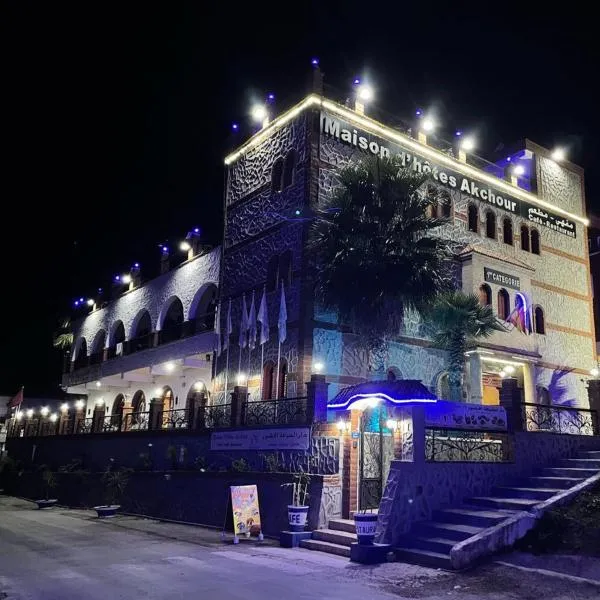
(356, 81)
(458, 133)
(314, 62)
(235, 126)
(418, 112)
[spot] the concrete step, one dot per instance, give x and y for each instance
(469, 516)
(569, 472)
(343, 538)
(430, 543)
(505, 503)
(423, 557)
(552, 482)
(327, 547)
(342, 525)
(582, 463)
(452, 531)
(532, 493)
(589, 454)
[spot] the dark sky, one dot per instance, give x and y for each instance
(117, 116)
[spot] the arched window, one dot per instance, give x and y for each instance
(490, 225)
(503, 304)
(81, 356)
(171, 327)
(285, 268)
(141, 332)
(277, 175)
(272, 267)
(283, 379)
(525, 238)
(289, 167)
(543, 396)
(538, 320)
(444, 205)
(203, 309)
(117, 411)
(97, 353)
(116, 340)
(442, 388)
(473, 218)
(268, 380)
(535, 241)
(507, 231)
(138, 402)
(485, 295)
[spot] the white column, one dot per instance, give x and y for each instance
(529, 382)
(476, 388)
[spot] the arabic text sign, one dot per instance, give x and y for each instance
(294, 438)
(458, 415)
(246, 513)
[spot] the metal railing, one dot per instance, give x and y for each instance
(472, 445)
(109, 424)
(560, 419)
(281, 411)
(85, 425)
(214, 417)
(136, 421)
(175, 419)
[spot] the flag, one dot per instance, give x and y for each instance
(218, 328)
(252, 325)
(282, 321)
(228, 327)
(16, 400)
(243, 323)
(263, 319)
(517, 318)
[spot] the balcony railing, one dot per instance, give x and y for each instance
(283, 411)
(560, 419)
(214, 417)
(175, 419)
(85, 425)
(473, 445)
(136, 421)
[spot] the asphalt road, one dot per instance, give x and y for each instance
(61, 554)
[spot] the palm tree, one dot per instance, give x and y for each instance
(63, 337)
(459, 321)
(374, 248)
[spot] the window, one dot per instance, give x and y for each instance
(277, 175)
(507, 231)
(289, 166)
(503, 304)
(543, 396)
(535, 241)
(538, 320)
(272, 266)
(444, 206)
(285, 268)
(267, 381)
(283, 379)
(490, 225)
(525, 238)
(485, 295)
(473, 219)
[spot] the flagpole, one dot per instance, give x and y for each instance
(226, 372)
(262, 368)
(278, 361)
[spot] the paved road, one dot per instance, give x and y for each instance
(67, 555)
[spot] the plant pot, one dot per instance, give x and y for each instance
(297, 517)
(105, 512)
(46, 503)
(366, 526)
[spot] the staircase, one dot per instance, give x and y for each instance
(429, 543)
(336, 539)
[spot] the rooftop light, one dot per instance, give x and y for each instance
(259, 113)
(428, 124)
(467, 144)
(558, 155)
(185, 246)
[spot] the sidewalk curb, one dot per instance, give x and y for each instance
(546, 572)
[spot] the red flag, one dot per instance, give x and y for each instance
(17, 400)
(517, 318)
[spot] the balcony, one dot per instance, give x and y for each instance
(184, 340)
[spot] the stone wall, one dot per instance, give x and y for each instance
(415, 489)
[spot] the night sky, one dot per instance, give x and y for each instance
(117, 117)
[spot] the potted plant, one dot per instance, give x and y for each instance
(366, 526)
(49, 483)
(298, 509)
(114, 482)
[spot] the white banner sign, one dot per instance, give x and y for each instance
(458, 415)
(296, 438)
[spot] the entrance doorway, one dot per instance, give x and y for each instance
(376, 454)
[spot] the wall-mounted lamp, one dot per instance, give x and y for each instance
(241, 378)
(392, 424)
(318, 367)
(64, 407)
(44, 411)
(80, 404)
(30, 413)
(343, 426)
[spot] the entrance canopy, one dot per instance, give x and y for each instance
(362, 395)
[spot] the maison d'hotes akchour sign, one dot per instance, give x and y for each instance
(346, 134)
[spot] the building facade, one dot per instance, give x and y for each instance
(521, 245)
